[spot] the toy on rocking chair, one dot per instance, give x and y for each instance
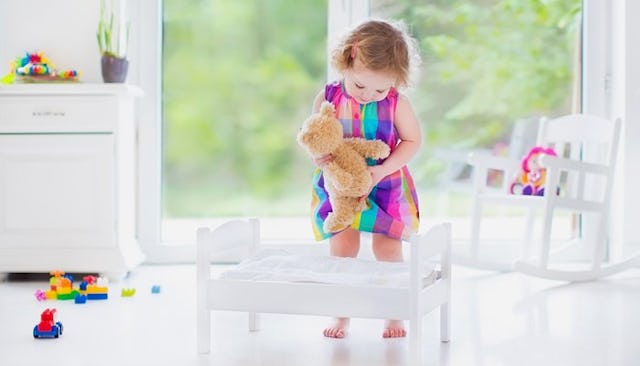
(531, 180)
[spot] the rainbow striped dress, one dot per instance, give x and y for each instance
(392, 205)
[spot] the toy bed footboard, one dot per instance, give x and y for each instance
(410, 302)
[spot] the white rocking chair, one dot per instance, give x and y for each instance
(578, 180)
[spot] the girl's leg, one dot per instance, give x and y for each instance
(344, 244)
(387, 249)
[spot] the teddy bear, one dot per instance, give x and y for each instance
(346, 177)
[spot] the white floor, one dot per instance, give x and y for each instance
(498, 319)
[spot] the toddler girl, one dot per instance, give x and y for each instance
(374, 59)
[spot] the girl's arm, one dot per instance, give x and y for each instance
(410, 137)
(317, 101)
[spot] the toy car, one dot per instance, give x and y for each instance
(48, 327)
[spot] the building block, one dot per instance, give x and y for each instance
(93, 289)
(80, 299)
(155, 289)
(68, 295)
(97, 296)
(128, 292)
(40, 295)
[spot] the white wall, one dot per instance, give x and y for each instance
(65, 30)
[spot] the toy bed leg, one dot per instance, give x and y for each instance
(254, 322)
(415, 339)
(204, 331)
(415, 313)
(445, 323)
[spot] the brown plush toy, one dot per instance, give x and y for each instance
(346, 176)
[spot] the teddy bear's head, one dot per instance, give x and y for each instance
(321, 133)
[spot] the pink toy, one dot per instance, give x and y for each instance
(40, 295)
(530, 181)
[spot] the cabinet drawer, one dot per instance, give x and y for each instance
(42, 114)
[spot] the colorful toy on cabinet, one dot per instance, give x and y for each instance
(530, 181)
(35, 67)
(48, 327)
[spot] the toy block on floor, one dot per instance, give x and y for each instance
(128, 292)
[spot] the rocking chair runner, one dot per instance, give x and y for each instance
(579, 180)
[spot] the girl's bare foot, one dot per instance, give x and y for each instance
(338, 330)
(394, 329)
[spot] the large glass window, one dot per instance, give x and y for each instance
(239, 77)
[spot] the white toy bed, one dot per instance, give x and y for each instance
(267, 280)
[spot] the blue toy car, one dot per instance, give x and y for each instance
(48, 327)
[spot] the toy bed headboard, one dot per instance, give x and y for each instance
(238, 235)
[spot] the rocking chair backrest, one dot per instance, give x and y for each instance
(589, 139)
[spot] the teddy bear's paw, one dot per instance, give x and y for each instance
(344, 184)
(331, 225)
(383, 151)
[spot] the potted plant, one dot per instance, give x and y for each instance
(113, 39)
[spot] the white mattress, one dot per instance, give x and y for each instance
(279, 265)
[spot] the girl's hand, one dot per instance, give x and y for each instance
(377, 174)
(323, 160)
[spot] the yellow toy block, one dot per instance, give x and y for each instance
(92, 289)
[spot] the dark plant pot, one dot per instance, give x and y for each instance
(114, 69)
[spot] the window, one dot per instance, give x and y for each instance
(491, 69)
(438, 23)
(239, 77)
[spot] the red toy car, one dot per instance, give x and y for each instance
(48, 327)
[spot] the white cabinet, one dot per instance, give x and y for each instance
(68, 178)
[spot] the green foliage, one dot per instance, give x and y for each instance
(109, 34)
(492, 62)
(239, 78)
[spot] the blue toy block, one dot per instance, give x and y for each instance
(81, 299)
(155, 289)
(97, 296)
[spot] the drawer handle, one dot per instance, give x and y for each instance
(48, 114)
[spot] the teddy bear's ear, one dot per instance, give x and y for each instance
(326, 108)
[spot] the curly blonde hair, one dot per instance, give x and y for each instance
(381, 46)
